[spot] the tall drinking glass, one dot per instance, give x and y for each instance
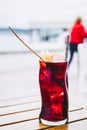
(54, 96)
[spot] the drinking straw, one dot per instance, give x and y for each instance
(25, 43)
(66, 51)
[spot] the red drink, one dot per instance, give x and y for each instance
(53, 88)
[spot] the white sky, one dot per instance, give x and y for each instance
(20, 13)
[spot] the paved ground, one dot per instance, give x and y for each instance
(19, 75)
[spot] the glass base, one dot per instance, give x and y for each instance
(51, 123)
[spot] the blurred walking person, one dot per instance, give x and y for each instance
(77, 35)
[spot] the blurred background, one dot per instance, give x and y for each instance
(43, 25)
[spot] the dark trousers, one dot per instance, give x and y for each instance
(73, 49)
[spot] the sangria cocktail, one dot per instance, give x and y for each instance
(53, 88)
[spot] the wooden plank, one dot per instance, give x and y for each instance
(77, 115)
(78, 101)
(29, 125)
(73, 100)
(19, 117)
(80, 125)
(26, 116)
(74, 108)
(20, 108)
(34, 124)
(19, 101)
(21, 104)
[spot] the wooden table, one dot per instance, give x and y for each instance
(22, 114)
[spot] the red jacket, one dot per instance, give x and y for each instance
(78, 33)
